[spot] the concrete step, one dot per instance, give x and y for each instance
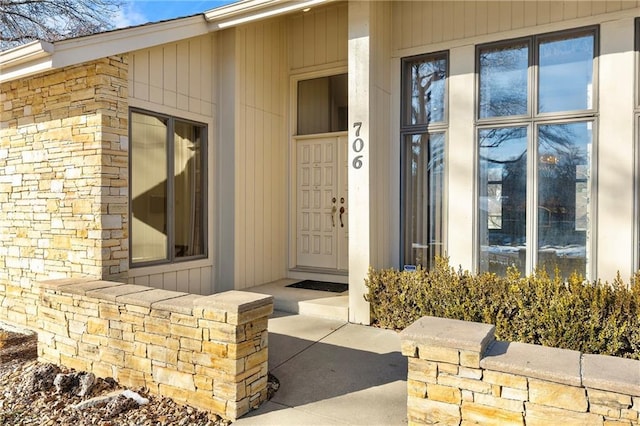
(321, 304)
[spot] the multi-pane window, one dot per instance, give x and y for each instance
(423, 136)
(168, 189)
(535, 128)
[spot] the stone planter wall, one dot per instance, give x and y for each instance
(459, 374)
(209, 352)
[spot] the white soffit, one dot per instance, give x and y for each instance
(254, 10)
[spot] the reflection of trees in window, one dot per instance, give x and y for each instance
(560, 139)
(423, 157)
(427, 91)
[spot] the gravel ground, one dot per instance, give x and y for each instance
(31, 395)
(28, 397)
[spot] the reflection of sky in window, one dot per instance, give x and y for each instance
(566, 73)
(503, 81)
(564, 140)
(502, 145)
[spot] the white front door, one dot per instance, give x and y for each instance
(322, 226)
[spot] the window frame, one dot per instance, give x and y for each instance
(408, 130)
(171, 258)
(533, 120)
(636, 115)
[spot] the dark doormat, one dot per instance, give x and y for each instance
(321, 286)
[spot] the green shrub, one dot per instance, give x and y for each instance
(596, 317)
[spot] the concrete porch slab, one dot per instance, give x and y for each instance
(333, 373)
(321, 304)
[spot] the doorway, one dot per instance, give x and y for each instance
(322, 233)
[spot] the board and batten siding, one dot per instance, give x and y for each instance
(318, 38)
(178, 79)
(261, 152)
(382, 179)
(418, 23)
(178, 76)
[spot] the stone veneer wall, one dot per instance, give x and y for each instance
(210, 352)
(63, 179)
(458, 374)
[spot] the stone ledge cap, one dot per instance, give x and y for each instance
(610, 373)
(56, 284)
(181, 304)
(111, 293)
(233, 301)
(84, 287)
(148, 298)
(450, 333)
(539, 362)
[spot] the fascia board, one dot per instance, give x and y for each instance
(25, 53)
(233, 9)
(25, 69)
(84, 49)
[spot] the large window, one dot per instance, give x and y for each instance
(168, 190)
(423, 136)
(535, 126)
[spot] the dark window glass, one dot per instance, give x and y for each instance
(564, 182)
(503, 195)
(423, 198)
(323, 105)
(167, 212)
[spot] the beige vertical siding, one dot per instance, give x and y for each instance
(261, 154)
(417, 23)
(195, 280)
(177, 75)
(318, 37)
(380, 138)
(177, 79)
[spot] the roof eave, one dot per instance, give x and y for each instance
(25, 53)
(38, 57)
(253, 10)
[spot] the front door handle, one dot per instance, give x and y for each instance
(342, 210)
(333, 216)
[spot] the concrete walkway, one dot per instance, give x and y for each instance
(333, 373)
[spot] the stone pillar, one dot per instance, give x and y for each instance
(63, 179)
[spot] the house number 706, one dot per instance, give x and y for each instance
(357, 146)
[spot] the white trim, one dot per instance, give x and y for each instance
(25, 70)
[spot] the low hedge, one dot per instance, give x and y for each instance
(597, 318)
